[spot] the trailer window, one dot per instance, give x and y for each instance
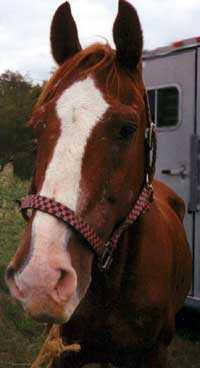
(164, 105)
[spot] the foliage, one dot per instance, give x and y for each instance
(17, 99)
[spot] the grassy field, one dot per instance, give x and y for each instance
(21, 338)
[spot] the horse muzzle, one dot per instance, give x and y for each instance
(50, 295)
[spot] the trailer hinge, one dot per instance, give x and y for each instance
(194, 204)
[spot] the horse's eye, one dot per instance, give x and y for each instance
(127, 131)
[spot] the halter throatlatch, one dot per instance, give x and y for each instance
(104, 250)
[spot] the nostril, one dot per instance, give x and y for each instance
(65, 286)
(9, 273)
(11, 282)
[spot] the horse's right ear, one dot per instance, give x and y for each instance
(127, 33)
(64, 34)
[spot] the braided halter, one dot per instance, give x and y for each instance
(64, 213)
(103, 250)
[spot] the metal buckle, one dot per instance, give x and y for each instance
(150, 135)
(150, 188)
(152, 127)
(106, 258)
(148, 183)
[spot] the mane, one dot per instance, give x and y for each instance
(99, 59)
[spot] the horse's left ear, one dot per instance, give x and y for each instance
(64, 34)
(127, 34)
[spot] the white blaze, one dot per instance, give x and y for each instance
(79, 109)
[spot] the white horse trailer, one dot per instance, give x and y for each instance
(172, 78)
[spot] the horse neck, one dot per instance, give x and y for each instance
(108, 286)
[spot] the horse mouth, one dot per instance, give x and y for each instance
(47, 318)
(39, 306)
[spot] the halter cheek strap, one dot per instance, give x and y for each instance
(103, 250)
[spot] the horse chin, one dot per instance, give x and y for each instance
(43, 318)
(59, 317)
(49, 311)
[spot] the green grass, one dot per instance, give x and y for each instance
(20, 337)
(11, 222)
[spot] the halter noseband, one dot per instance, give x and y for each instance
(104, 251)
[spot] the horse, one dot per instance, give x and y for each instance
(104, 252)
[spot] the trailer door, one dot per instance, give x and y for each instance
(170, 81)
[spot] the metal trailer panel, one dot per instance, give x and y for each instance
(176, 70)
(186, 44)
(197, 213)
(174, 144)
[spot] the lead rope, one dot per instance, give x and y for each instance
(53, 348)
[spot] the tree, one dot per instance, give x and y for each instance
(17, 99)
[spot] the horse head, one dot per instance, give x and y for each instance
(90, 127)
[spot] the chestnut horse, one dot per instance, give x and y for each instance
(93, 141)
